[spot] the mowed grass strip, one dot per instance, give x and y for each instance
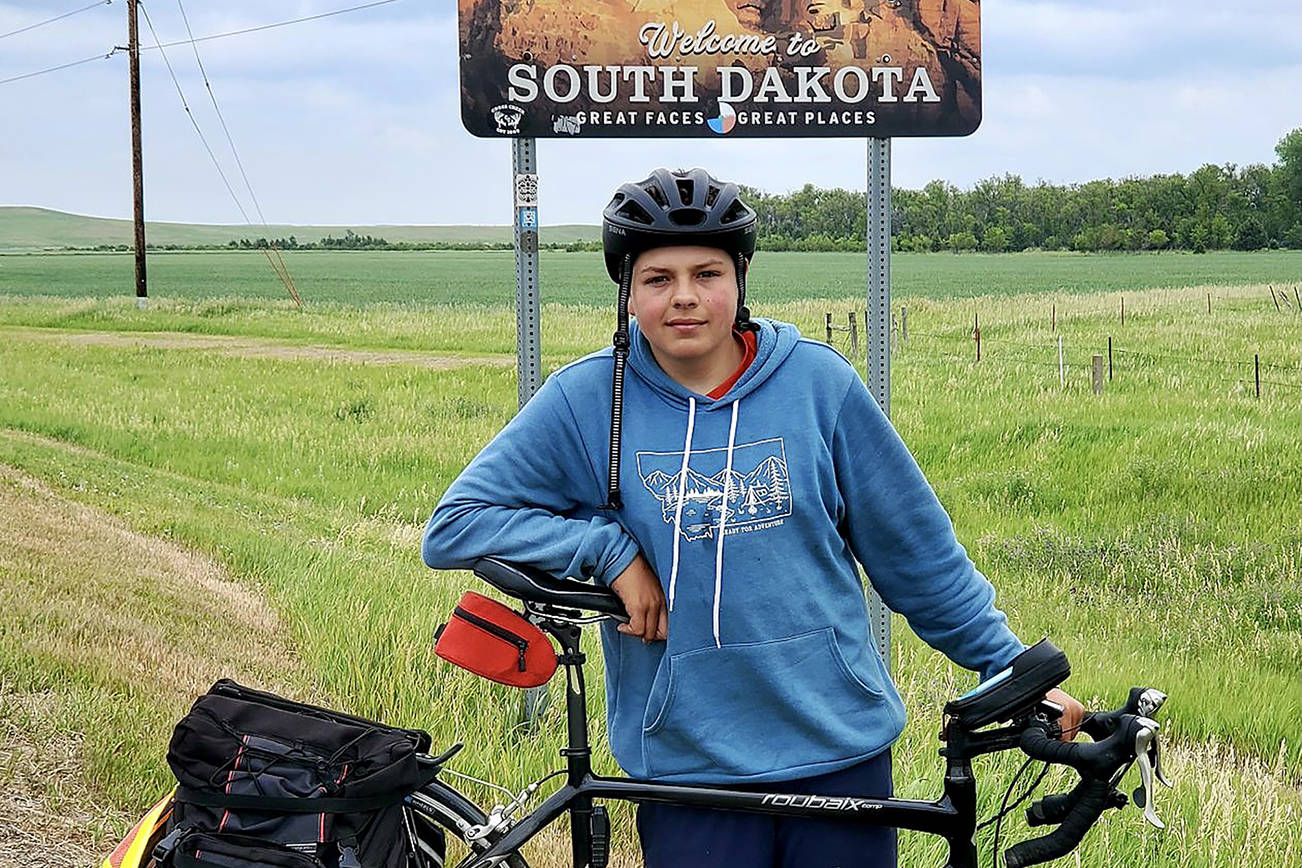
(106, 636)
(1147, 530)
(230, 345)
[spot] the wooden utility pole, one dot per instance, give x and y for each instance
(137, 161)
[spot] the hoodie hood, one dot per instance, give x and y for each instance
(774, 342)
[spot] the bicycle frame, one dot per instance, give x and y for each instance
(952, 816)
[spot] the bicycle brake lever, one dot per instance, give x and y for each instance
(1150, 701)
(1155, 757)
(1143, 794)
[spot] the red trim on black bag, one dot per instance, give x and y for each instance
(493, 641)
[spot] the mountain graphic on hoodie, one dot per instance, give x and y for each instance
(762, 493)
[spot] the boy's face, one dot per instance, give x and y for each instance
(685, 301)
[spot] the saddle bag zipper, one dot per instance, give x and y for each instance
(521, 644)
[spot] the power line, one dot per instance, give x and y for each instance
(104, 56)
(190, 115)
(54, 19)
(162, 45)
(269, 26)
(278, 262)
(217, 165)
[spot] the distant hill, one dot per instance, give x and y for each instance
(28, 228)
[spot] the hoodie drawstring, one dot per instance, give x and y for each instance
(723, 509)
(682, 491)
(723, 522)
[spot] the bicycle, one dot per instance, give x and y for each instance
(1015, 698)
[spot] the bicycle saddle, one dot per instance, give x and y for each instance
(535, 586)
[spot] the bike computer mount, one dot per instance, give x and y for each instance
(1015, 693)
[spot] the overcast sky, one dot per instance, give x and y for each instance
(354, 119)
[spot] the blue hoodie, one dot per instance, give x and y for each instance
(769, 672)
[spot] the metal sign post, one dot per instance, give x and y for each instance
(524, 186)
(528, 343)
(879, 331)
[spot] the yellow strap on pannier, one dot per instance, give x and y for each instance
(134, 851)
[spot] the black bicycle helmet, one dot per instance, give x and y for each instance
(683, 207)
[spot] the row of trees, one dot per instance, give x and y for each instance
(352, 241)
(1212, 208)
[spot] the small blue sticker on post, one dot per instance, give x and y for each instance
(528, 218)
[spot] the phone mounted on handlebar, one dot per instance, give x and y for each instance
(1015, 692)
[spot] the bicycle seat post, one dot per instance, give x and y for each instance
(578, 755)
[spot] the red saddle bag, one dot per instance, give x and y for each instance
(496, 642)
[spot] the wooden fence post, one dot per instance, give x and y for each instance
(1123, 310)
(1053, 318)
(1109, 357)
(827, 321)
(1256, 367)
(1098, 373)
(1209, 302)
(1296, 298)
(1062, 376)
(1274, 299)
(976, 331)
(854, 337)
(904, 324)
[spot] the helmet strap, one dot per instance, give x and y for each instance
(743, 322)
(621, 342)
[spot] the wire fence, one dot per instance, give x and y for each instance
(968, 346)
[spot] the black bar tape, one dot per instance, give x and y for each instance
(1089, 806)
(1052, 810)
(1036, 743)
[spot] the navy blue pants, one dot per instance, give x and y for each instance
(677, 836)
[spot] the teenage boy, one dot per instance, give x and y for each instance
(728, 514)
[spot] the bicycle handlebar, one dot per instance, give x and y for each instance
(1123, 736)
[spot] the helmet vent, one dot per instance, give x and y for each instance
(658, 195)
(711, 195)
(685, 191)
(735, 212)
(687, 216)
(635, 212)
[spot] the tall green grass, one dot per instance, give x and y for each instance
(1150, 530)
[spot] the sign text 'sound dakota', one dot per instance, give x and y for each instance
(563, 83)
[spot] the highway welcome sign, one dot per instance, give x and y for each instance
(702, 68)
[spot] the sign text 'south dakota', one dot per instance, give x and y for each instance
(562, 83)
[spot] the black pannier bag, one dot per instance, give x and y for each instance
(266, 781)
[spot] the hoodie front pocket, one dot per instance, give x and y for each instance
(763, 707)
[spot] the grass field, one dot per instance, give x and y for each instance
(1150, 530)
(487, 277)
